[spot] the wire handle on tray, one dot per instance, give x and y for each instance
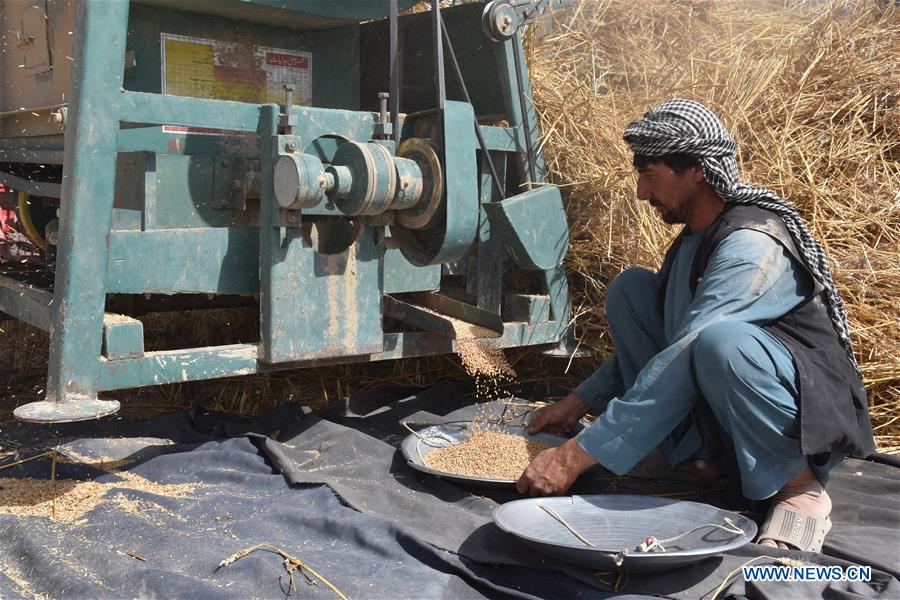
(650, 543)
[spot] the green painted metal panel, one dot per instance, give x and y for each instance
(314, 122)
(296, 14)
(488, 275)
(35, 188)
(401, 276)
(156, 109)
(208, 260)
(154, 139)
(557, 287)
(532, 226)
(474, 51)
(157, 368)
(184, 193)
(25, 302)
(335, 51)
(46, 150)
(356, 11)
(502, 139)
(130, 189)
(175, 191)
(313, 305)
(323, 305)
(530, 308)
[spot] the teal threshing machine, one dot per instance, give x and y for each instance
(362, 172)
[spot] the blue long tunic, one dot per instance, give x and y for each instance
(750, 279)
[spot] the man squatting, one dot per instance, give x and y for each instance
(737, 350)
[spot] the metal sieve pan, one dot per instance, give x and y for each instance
(604, 531)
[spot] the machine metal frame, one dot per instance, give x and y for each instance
(94, 351)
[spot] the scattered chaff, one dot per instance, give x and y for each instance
(67, 500)
(291, 564)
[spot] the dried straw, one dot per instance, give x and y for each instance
(290, 563)
(810, 90)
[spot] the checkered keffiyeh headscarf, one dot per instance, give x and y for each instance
(688, 127)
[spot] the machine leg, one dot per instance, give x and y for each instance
(85, 218)
(560, 308)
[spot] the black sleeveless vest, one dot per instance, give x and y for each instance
(834, 413)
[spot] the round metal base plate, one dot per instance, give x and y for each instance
(48, 411)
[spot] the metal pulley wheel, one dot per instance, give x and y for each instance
(365, 178)
(423, 152)
(443, 224)
(499, 20)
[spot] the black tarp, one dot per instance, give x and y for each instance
(331, 489)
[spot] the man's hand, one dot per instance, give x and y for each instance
(560, 416)
(553, 471)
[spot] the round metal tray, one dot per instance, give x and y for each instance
(617, 522)
(416, 446)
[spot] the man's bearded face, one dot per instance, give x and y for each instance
(672, 194)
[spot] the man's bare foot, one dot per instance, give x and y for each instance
(805, 494)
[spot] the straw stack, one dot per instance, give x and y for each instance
(810, 91)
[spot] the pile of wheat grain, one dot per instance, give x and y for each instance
(487, 454)
(811, 91)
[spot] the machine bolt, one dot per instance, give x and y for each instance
(288, 97)
(291, 146)
(291, 217)
(59, 116)
(383, 106)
